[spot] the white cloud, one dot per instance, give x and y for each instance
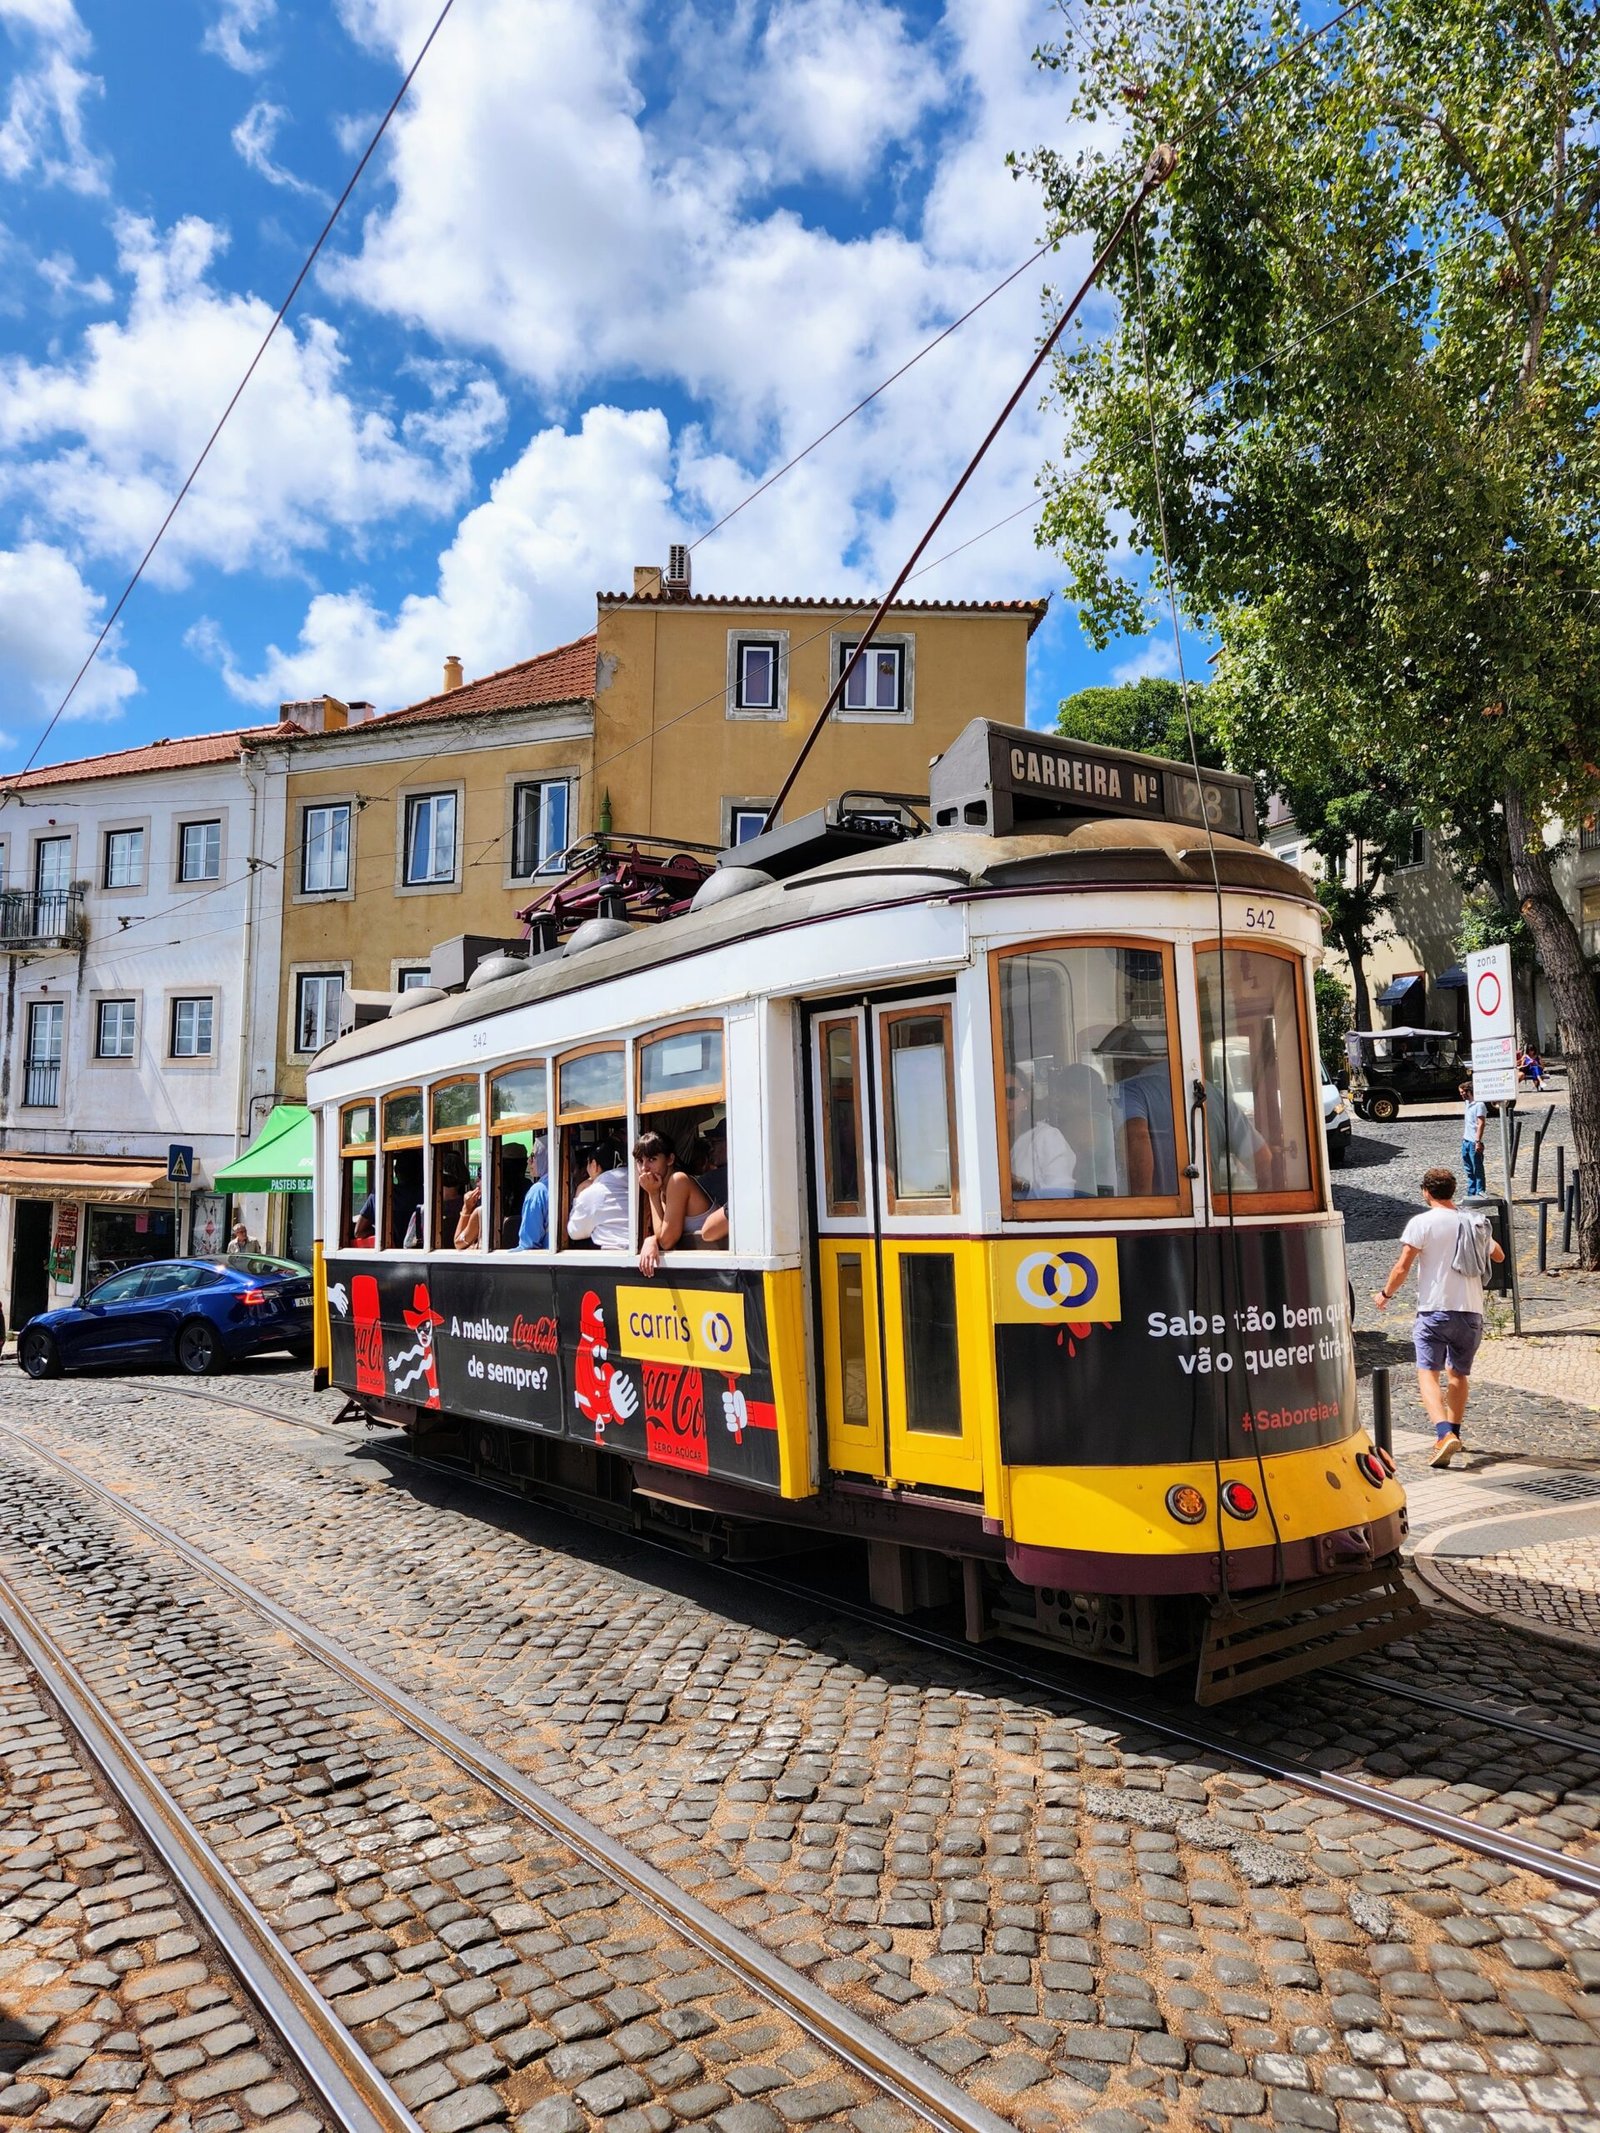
(236, 21)
(59, 272)
(48, 620)
(255, 137)
(41, 127)
(100, 442)
(574, 512)
(1155, 660)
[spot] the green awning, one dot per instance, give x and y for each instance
(279, 1159)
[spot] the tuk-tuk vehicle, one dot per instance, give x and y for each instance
(1389, 1067)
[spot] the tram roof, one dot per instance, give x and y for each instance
(1105, 853)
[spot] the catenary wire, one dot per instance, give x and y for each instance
(238, 391)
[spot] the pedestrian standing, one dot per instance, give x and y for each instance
(1474, 1119)
(1444, 1244)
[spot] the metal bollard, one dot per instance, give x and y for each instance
(1570, 1216)
(1561, 1173)
(1516, 1151)
(1538, 1147)
(1382, 1416)
(1544, 1236)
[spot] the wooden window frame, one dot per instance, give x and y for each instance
(564, 1117)
(943, 1205)
(857, 1026)
(366, 1152)
(436, 1135)
(1306, 1200)
(680, 1099)
(346, 1145)
(1132, 1207)
(386, 1141)
(519, 1121)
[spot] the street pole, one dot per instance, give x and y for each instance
(1511, 1219)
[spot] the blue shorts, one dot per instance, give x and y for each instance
(1447, 1337)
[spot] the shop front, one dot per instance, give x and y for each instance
(279, 1162)
(73, 1219)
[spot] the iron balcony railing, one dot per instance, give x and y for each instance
(37, 918)
(42, 1083)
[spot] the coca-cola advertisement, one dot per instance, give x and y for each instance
(675, 1373)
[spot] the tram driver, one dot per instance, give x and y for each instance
(1042, 1166)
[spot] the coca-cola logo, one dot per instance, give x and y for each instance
(369, 1345)
(539, 1334)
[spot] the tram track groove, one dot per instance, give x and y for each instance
(332, 2064)
(879, 2058)
(1439, 1823)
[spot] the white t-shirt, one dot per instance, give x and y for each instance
(1439, 1286)
(600, 1212)
(1042, 1158)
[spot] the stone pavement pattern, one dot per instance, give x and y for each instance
(1082, 1923)
(112, 2012)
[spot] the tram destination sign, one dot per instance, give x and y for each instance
(1001, 779)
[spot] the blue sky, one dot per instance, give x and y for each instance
(612, 265)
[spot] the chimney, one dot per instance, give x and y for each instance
(359, 710)
(452, 672)
(646, 581)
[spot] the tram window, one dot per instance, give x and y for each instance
(358, 1133)
(402, 1117)
(930, 1343)
(1253, 1043)
(841, 1117)
(518, 1095)
(402, 1199)
(518, 1153)
(852, 1342)
(681, 1095)
(920, 1122)
(680, 1066)
(457, 1158)
(1087, 1087)
(590, 1085)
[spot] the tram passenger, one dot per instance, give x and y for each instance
(679, 1205)
(711, 1175)
(362, 1238)
(599, 1213)
(1083, 1111)
(533, 1223)
(469, 1223)
(1142, 1100)
(1041, 1162)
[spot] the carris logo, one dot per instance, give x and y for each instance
(716, 1330)
(1061, 1280)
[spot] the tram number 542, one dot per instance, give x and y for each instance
(1258, 919)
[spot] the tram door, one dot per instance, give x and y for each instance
(902, 1297)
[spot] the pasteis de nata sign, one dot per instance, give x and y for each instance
(703, 1328)
(1044, 1282)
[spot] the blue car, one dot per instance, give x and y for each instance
(201, 1314)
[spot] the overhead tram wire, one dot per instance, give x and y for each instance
(238, 391)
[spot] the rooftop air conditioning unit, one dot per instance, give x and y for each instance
(678, 569)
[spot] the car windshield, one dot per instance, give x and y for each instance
(258, 1264)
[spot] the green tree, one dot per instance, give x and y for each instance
(1146, 716)
(1335, 1018)
(1352, 386)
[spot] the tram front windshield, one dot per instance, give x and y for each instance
(1086, 1053)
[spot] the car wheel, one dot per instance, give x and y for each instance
(1383, 1109)
(39, 1356)
(198, 1349)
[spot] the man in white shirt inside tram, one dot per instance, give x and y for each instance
(1042, 1166)
(599, 1213)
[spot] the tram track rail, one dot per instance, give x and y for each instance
(1215, 1737)
(894, 2069)
(330, 2063)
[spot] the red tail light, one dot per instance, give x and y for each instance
(1384, 1460)
(254, 1296)
(1239, 1499)
(1370, 1469)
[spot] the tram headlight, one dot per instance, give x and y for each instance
(1239, 1500)
(1186, 1503)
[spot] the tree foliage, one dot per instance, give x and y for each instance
(1335, 1018)
(1146, 716)
(1353, 383)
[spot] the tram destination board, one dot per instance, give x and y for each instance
(1173, 1346)
(678, 1374)
(1002, 779)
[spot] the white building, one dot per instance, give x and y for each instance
(131, 912)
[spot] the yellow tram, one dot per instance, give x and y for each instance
(1031, 1283)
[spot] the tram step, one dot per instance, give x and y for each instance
(1269, 1640)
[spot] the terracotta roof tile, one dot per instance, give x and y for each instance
(563, 676)
(181, 754)
(1035, 610)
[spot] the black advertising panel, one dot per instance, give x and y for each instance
(1170, 1346)
(676, 1373)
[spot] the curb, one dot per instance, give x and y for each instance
(1438, 1584)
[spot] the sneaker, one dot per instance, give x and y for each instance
(1445, 1450)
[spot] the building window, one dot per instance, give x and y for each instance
(191, 1028)
(758, 673)
(430, 853)
(745, 820)
(1589, 834)
(52, 866)
(316, 1009)
(539, 834)
(46, 1020)
(114, 1031)
(413, 978)
(325, 849)
(876, 687)
(1416, 850)
(200, 851)
(124, 867)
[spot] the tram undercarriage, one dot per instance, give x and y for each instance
(922, 1557)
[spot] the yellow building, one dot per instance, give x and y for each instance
(676, 719)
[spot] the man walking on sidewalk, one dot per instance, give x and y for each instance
(1474, 1119)
(1449, 1321)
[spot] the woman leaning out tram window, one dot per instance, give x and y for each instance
(1253, 1040)
(1087, 1060)
(680, 1158)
